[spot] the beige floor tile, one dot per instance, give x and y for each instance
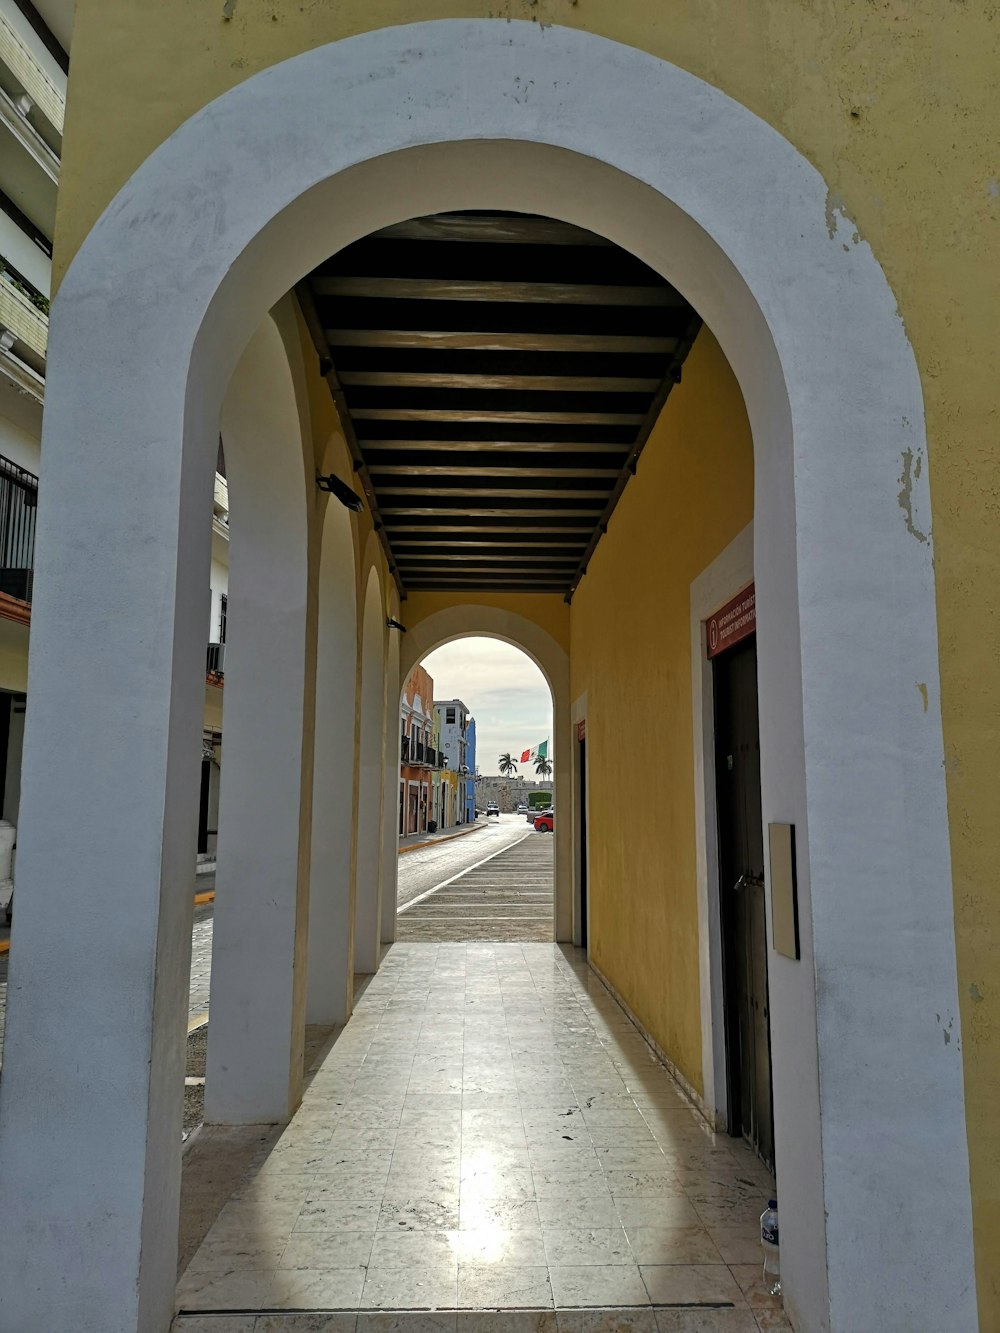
(341, 1321)
(499, 1245)
(392, 1321)
(417, 1214)
(575, 1246)
(636, 1320)
(329, 1213)
(425, 1288)
(477, 1213)
(316, 1288)
(672, 1245)
(598, 1285)
(772, 1321)
(506, 1321)
(413, 1249)
(327, 1249)
(503, 1286)
(679, 1284)
(240, 1289)
(750, 1279)
(737, 1245)
(737, 1320)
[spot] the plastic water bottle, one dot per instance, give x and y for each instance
(769, 1244)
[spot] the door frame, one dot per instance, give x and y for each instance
(581, 927)
(730, 571)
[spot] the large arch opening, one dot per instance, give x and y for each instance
(757, 264)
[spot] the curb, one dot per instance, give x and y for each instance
(432, 842)
(199, 901)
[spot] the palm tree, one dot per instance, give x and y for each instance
(543, 766)
(507, 764)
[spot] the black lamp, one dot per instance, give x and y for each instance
(341, 491)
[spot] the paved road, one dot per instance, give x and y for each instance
(427, 867)
(419, 871)
(506, 897)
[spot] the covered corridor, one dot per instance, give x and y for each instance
(675, 394)
(489, 1132)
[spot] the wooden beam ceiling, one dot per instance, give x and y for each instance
(498, 376)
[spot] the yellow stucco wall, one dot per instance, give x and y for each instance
(631, 653)
(546, 610)
(894, 102)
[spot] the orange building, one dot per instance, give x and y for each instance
(417, 754)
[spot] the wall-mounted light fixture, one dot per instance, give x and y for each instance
(342, 492)
(394, 624)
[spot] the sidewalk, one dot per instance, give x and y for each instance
(412, 841)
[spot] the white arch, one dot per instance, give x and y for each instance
(257, 1018)
(371, 780)
(483, 621)
(299, 160)
(331, 897)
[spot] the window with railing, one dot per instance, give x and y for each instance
(18, 508)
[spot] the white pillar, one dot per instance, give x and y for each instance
(390, 800)
(256, 1026)
(330, 967)
(371, 784)
(93, 1061)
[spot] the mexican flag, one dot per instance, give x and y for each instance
(539, 751)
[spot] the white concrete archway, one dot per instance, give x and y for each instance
(254, 1068)
(331, 897)
(151, 318)
(371, 780)
(473, 619)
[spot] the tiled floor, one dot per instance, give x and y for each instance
(489, 1133)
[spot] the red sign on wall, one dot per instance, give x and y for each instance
(732, 622)
(581, 730)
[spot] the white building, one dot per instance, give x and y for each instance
(454, 718)
(34, 63)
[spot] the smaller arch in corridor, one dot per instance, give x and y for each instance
(331, 894)
(371, 779)
(480, 620)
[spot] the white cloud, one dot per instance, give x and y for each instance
(503, 689)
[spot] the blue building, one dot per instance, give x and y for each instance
(470, 759)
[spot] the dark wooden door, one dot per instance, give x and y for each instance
(741, 888)
(582, 815)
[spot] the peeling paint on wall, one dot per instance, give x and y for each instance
(922, 687)
(911, 473)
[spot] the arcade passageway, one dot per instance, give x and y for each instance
(489, 1132)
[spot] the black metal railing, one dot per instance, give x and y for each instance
(216, 660)
(18, 507)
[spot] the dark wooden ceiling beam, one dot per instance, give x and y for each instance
(374, 447)
(498, 418)
(531, 545)
(477, 496)
(501, 342)
(386, 379)
(494, 228)
(499, 530)
(486, 470)
(471, 289)
(477, 510)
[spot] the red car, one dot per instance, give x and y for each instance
(543, 822)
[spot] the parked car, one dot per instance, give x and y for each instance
(544, 822)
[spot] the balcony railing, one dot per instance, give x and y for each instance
(18, 507)
(216, 662)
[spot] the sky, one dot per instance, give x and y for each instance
(502, 688)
